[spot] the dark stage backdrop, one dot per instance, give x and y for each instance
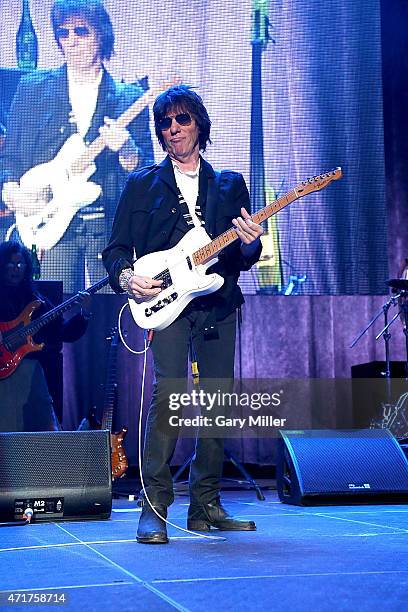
(319, 86)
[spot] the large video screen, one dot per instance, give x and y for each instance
(293, 90)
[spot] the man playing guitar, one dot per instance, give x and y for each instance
(158, 207)
(55, 117)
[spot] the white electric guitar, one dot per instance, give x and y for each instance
(183, 269)
(64, 183)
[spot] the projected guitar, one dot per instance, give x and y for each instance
(64, 183)
(17, 335)
(183, 268)
(268, 268)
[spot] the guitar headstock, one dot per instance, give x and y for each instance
(260, 22)
(315, 183)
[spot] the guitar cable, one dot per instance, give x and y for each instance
(147, 341)
(148, 335)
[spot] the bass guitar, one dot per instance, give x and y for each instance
(64, 183)
(17, 335)
(183, 269)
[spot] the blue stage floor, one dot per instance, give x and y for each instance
(315, 558)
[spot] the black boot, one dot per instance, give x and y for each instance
(152, 529)
(204, 516)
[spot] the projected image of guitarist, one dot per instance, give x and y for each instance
(73, 135)
(25, 401)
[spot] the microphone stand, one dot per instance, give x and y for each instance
(385, 333)
(387, 336)
(404, 311)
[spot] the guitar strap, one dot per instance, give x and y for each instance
(185, 211)
(210, 323)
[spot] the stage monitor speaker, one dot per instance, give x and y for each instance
(318, 467)
(61, 475)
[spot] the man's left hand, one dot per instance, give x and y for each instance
(248, 231)
(113, 135)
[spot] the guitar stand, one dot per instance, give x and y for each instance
(247, 477)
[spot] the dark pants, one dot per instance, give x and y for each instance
(215, 357)
(26, 404)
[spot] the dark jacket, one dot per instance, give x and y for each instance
(148, 214)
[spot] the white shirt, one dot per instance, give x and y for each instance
(187, 182)
(83, 98)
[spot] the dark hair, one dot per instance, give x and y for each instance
(182, 97)
(9, 248)
(94, 13)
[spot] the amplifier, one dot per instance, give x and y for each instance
(61, 475)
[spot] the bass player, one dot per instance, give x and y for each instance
(26, 404)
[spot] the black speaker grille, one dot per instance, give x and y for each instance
(340, 462)
(54, 459)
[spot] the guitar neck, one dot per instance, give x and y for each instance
(111, 383)
(257, 167)
(110, 400)
(211, 250)
(108, 412)
(52, 314)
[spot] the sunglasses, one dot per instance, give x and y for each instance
(181, 119)
(80, 31)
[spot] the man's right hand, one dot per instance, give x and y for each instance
(24, 201)
(143, 288)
